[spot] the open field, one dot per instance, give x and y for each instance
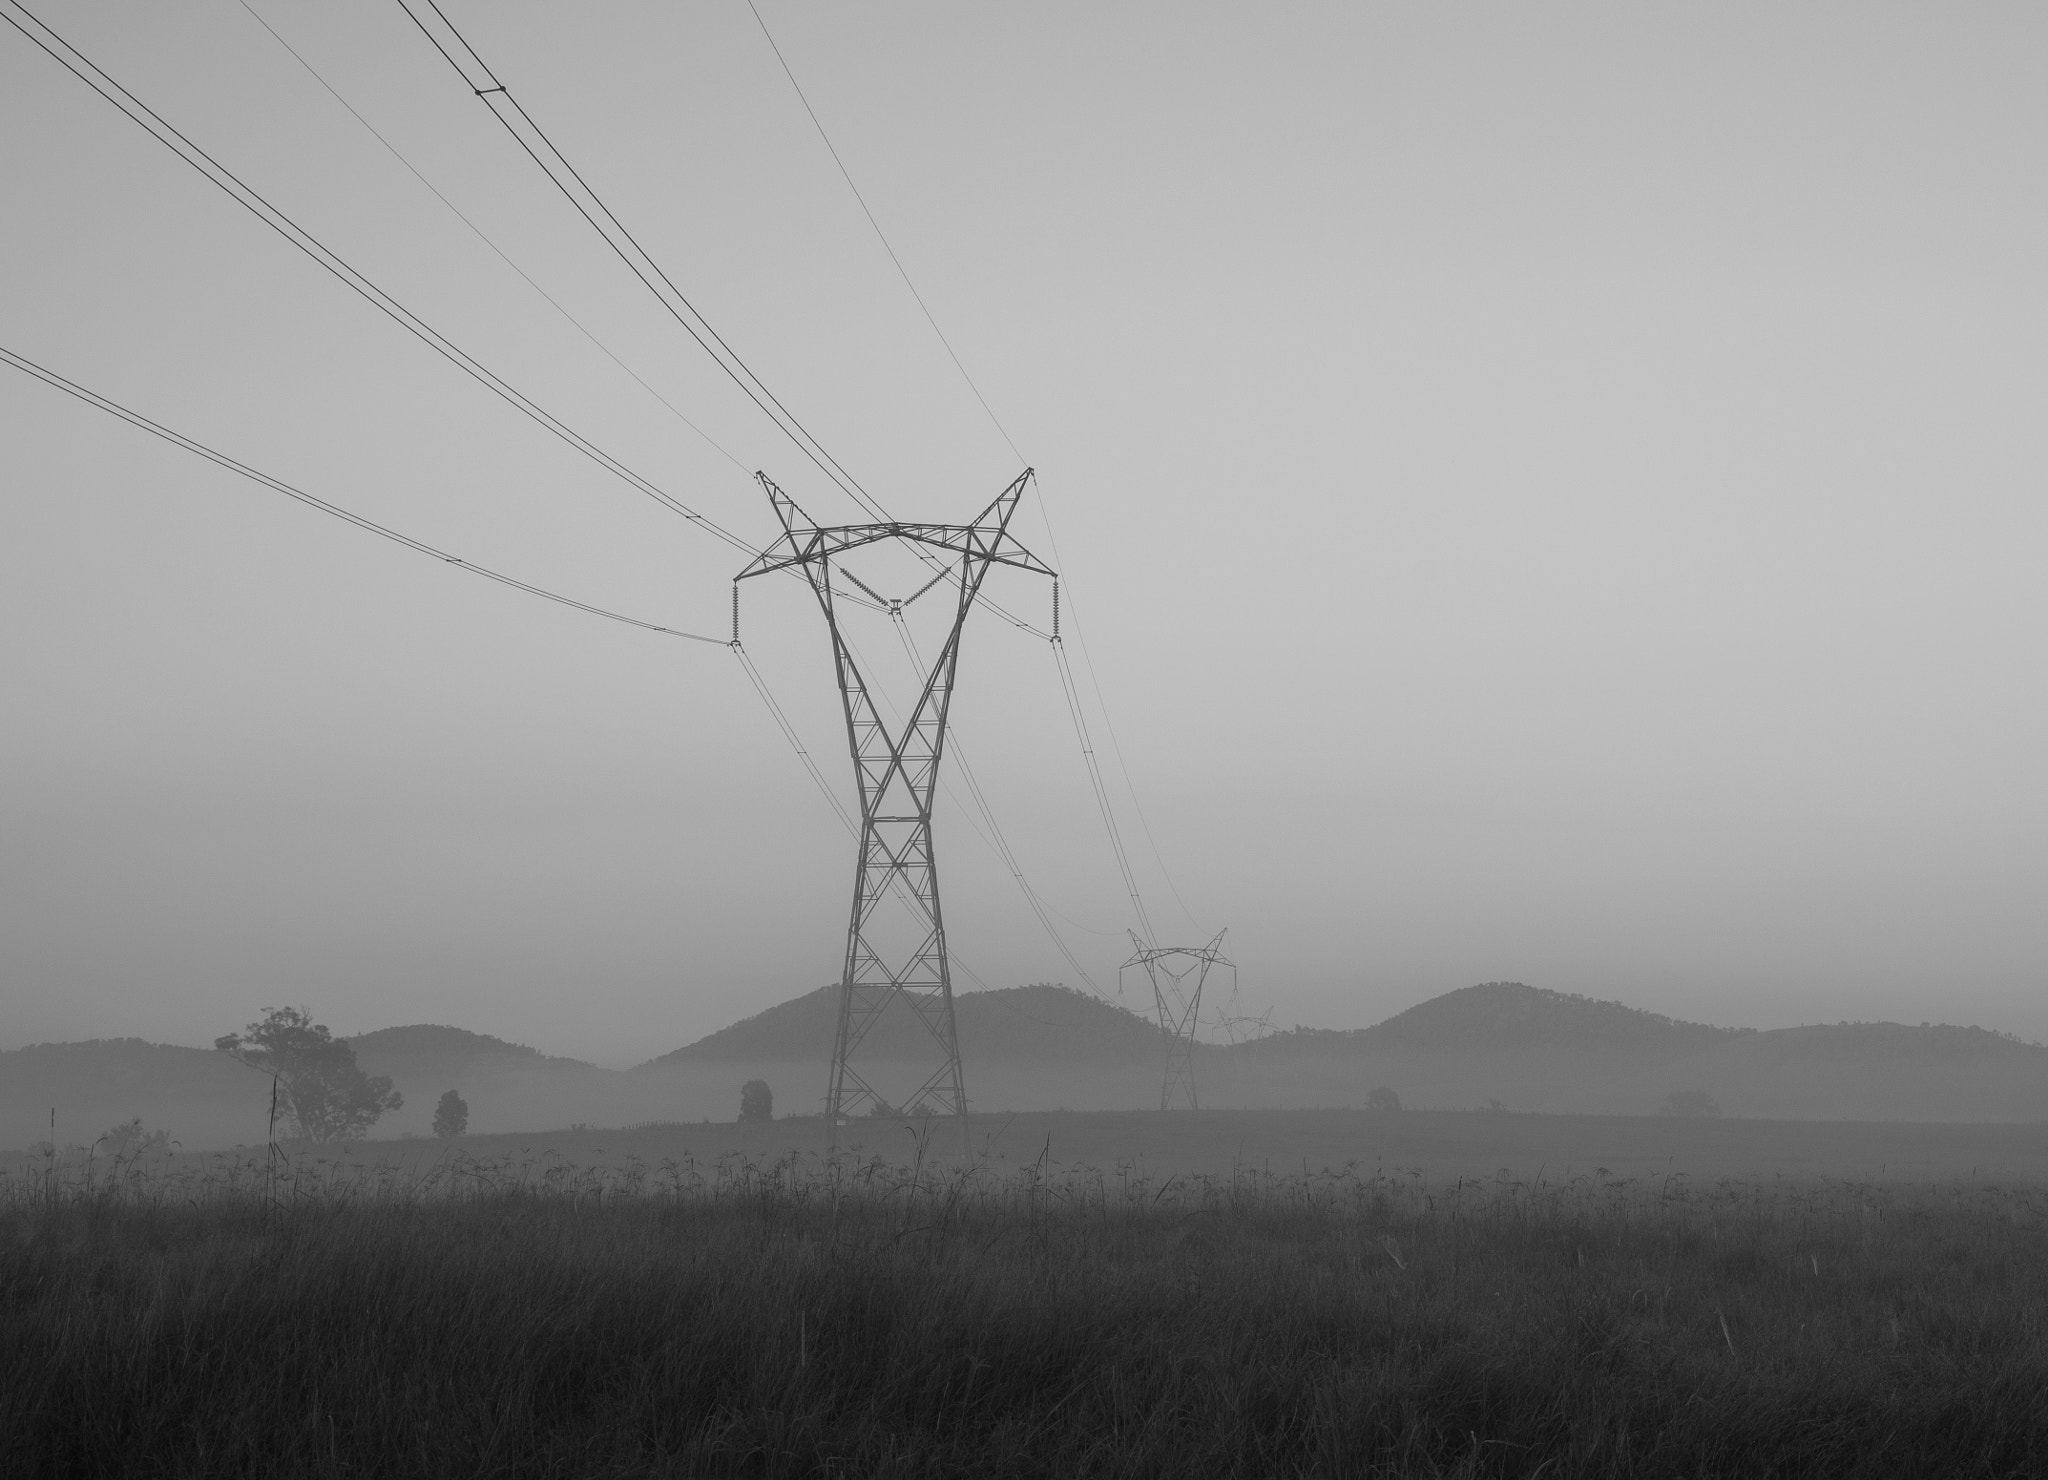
(535, 1313)
(1435, 1146)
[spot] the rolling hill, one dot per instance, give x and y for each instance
(97, 1084)
(431, 1052)
(1510, 1017)
(1033, 1047)
(1046, 1047)
(1869, 1071)
(1041, 1024)
(507, 1086)
(1552, 1051)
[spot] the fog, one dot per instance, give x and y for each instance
(1546, 495)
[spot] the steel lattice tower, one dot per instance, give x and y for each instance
(896, 772)
(1178, 1005)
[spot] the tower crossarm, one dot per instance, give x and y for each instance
(1179, 1005)
(987, 539)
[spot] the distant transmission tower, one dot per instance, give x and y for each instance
(896, 772)
(1179, 1004)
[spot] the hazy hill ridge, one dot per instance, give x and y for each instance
(420, 1052)
(129, 1063)
(206, 1098)
(1036, 1023)
(1041, 1046)
(1495, 1017)
(1930, 1044)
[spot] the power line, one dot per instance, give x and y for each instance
(995, 839)
(789, 733)
(179, 439)
(1116, 841)
(1087, 660)
(591, 206)
(904, 273)
(478, 76)
(1109, 724)
(230, 184)
(225, 180)
(234, 465)
(901, 271)
(81, 67)
(221, 459)
(481, 236)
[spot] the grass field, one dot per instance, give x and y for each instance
(1444, 1145)
(529, 1315)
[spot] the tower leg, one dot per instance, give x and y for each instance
(896, 934)
(889, 953)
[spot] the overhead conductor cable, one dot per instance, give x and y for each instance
(221, 459)
(75, 62)
(138, 112)
(482, 81)
(479, 233)
(1068, 687)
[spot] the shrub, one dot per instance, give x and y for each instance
(129, 1140)
(451, 1116)
(757, 1101)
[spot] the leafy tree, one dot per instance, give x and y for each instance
(1690, 1104)
(319, 1086)
(881, 1110)
(1382, 1099)
(757, 1101)
(451, 1116)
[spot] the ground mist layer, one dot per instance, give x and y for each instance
(808, 1318)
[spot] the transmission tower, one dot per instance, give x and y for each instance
(896, 771)
(1179, 1004)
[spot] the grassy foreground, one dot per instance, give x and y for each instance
(807, 1318)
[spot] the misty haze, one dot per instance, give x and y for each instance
(790, 740)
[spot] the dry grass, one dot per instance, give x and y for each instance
(530, 1318)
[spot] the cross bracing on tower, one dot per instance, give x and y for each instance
(1177, 974)
(895, 956)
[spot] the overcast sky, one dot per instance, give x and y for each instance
(1549, 493)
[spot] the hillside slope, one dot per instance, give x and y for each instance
(1045, 1047)
(200, 1096)
(422, 1052)
(1872, 1071)
(205, 1100)
(1512, 1018)
(1041, 1024)
(507, 1086)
